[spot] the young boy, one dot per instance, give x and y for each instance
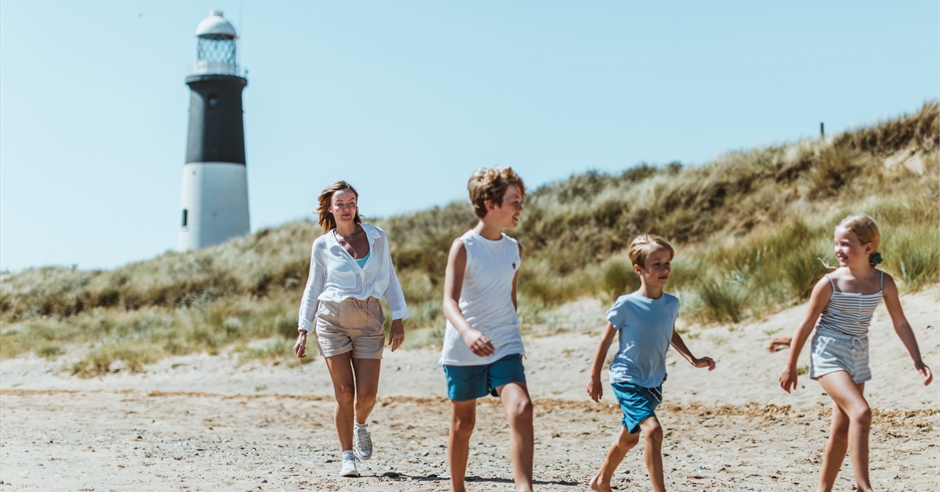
(646, 322)
(483, 350)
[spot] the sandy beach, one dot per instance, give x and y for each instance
(207, 423)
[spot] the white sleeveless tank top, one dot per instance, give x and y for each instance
(486, 300)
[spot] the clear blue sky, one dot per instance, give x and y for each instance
(404, 99)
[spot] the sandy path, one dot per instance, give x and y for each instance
(203, 423)
(59, 440)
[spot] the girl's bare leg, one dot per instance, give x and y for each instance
(850, 400)
(462, 420)
(624, 443)
(836, 447)
(518, 405)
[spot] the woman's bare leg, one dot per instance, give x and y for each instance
(345, 392)
(367, 386)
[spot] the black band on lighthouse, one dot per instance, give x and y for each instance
(216, 128)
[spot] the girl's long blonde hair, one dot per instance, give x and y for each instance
(327, 221)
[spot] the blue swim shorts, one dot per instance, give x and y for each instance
(638, 403)
(472, 382)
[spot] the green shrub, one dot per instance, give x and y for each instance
(50, 351)
(722, 301)
(619, 278)
(802, 269)
(98, 361)
(914, 254)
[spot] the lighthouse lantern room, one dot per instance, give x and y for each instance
(214, 201)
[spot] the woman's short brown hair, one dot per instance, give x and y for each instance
(327, 221)
(491, 184)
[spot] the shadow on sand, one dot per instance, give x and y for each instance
(433, 477)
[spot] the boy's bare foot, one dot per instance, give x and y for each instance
(597, 486)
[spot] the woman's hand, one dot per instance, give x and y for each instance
(300, 348)
(595, 389)
(788, 378)
(924, 371)
(396, 335)
(478, 343)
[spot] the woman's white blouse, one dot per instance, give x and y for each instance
(335, 276)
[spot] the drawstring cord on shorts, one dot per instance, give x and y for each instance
(656, 394)
(860, 341)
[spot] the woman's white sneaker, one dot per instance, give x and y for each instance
(362, 443)
(349, 465)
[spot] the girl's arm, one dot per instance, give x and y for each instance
(818, 300)
(903, 328)
(478, 343)
(595, 389)
(679, 345)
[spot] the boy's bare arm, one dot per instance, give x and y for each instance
(478, 343)
(595, 388)
(679, 345)
(515, 279)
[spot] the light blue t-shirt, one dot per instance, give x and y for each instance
(645, 327)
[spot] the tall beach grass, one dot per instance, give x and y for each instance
(752, 230)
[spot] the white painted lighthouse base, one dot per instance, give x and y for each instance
(214, 205)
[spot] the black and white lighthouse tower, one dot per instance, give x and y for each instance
(214, 203)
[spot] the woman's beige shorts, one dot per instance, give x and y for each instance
(351, 325)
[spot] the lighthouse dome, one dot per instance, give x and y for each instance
(215, 26)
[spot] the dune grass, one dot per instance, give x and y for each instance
(752, 230)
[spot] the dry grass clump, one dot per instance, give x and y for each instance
(269, 260)
(753, 233)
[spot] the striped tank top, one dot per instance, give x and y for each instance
(848, 313)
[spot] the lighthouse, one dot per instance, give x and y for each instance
(214, 202)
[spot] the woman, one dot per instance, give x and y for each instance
(350, 268)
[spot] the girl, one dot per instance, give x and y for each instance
(843, 303)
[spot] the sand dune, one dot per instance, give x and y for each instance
(205, 423)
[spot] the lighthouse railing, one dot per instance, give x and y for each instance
(203, 67)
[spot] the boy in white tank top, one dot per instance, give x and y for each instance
(483, 350)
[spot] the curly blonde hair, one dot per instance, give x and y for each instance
(491, 184)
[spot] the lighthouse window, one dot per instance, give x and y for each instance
(213, 100)
(185, 216)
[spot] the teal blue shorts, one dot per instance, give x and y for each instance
(638, 403)
(472, 382)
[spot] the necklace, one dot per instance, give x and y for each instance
(341, 239)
